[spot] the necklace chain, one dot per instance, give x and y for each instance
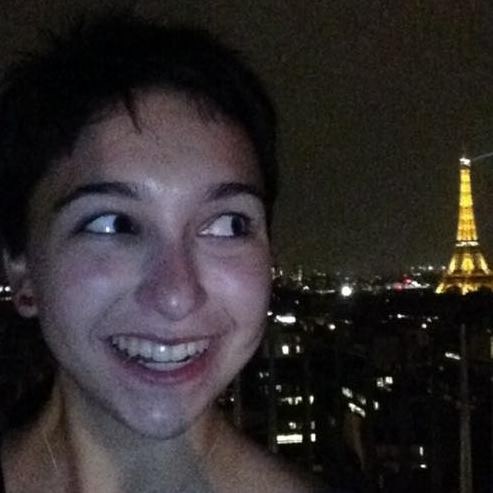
(49, 449)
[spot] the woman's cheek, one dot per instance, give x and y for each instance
(244, 283)
(77, 282)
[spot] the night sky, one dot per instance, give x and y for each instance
(376, 100)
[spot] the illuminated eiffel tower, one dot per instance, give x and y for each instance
(468, 270)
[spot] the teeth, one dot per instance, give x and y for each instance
(150, 351)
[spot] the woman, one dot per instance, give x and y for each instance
(140, 162)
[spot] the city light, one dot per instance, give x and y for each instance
(287, 319)
(468, 270)
(291, 400)
(347, 392)
(290, 438)
(451, 355)
(346, 290)
(356, 409)
(385, 382)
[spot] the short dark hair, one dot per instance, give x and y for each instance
(48, 98)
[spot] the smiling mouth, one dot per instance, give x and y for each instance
(158, 356)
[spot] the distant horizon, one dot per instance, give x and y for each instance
(354, 273)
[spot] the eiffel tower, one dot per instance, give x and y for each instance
(468, 270)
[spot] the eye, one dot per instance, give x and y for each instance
(229, 225)
(109, 224)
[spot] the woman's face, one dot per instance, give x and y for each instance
(150, 264)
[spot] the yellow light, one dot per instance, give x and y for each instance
(467, 270)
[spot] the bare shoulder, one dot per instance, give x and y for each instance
(251, 469)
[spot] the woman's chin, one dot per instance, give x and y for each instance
(163, 423)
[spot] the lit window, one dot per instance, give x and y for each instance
(285, 349)
(311, 399)
(313, 437)
(286, 319)
(292, 425)
(356, 409)
(451, 355)
(376, 405)
(290, 438)
(347, 392)
(286, 400)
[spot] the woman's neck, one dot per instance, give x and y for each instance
(79, 447)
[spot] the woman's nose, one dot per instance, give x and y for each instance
(172, 285)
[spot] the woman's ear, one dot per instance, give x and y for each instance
(20, 282)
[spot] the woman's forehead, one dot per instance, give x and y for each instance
(173, 145)
(161, 125)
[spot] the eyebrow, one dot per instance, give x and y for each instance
(227, 190)
(116, 188)
(126, 190)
